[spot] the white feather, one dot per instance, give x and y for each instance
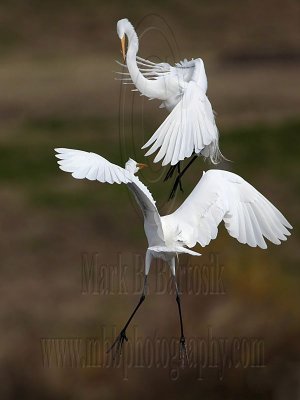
(222, 195)
(219, 195)
(182, 89)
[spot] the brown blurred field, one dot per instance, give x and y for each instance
(57, 63)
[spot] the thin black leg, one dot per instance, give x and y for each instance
(179, 172)
(180, 175)
(170, 172)
(183, 355)
(116, 347)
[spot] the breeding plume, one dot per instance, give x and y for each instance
(190, 128)
(219, 196)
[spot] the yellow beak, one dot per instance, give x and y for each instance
(123, 47)
(141, 166)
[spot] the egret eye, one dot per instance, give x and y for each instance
(219, 196)
(182, 86)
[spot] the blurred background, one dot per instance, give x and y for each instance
(58, 89)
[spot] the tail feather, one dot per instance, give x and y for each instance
(213, 153)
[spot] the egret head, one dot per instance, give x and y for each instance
(133, 167)
(123, 28)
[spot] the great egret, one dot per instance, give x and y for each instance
(219, 195)
(190, 128)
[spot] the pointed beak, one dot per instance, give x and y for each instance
(141, 166)
(123, 48)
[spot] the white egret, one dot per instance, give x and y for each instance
(190, 128)
(219, 196)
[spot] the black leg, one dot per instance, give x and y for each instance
(179, 172)
(178, 179)
(170, 172)
(116, 347)
(183, 355)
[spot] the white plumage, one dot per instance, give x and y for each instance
(190, 127)
(219, 196)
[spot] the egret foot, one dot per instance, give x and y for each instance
(183, 354)
(116, 347)
(171, 172)
(179, 176)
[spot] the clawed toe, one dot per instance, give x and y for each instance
(183, 354)
(116, 347)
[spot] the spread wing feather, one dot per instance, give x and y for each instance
(82, 164)
(189, 128)
(220, 195)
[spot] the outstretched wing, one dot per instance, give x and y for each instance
(188, 129)
(222, 195)
(91, 166)
(83, 164)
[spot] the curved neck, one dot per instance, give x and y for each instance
(133, 41)
(145, 86)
